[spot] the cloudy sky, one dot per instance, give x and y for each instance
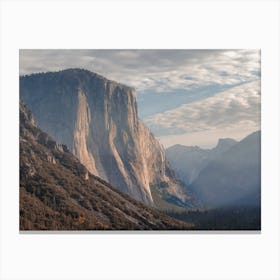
(191, 97)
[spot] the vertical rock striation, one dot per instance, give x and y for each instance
(58, 193)
(81, 134)
(98, 120)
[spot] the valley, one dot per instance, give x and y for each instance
(87, 162)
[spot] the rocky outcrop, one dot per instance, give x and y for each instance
(98, 120)
(58, 193)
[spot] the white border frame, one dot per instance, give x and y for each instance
(122, 24)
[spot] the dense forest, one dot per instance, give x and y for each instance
(228, 218)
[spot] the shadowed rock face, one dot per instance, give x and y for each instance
(98, 120)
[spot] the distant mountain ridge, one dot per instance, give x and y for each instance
(233, 177)
(227, 175)
(188, 161)
(58, 193)
(98, 120)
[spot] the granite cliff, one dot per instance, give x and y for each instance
(58, 193)
(98, 120)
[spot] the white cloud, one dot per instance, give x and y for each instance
(193, 74)
(236, 109)
(156, 70)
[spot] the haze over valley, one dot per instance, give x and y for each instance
(140, 139)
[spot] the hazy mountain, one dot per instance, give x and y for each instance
(98, 120)
(58, 193)
(188, 161)
(234, 176)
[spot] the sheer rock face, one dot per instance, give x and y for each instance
(98, 120)
(58, 193)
